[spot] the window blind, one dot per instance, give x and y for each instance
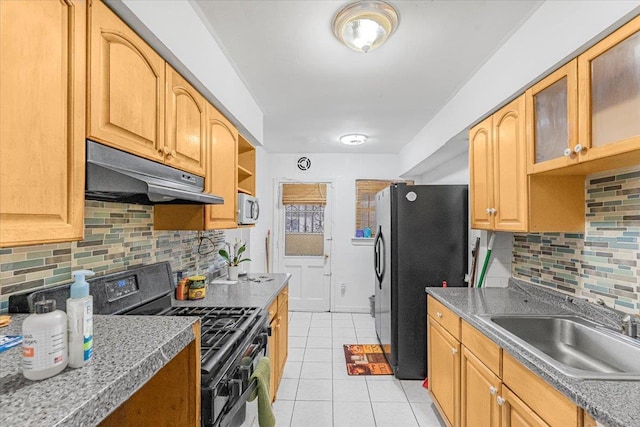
(304, 194)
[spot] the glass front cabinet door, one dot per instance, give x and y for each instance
(552, 120)
(609, 95)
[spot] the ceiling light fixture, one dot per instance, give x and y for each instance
(353, 139)
(365, 25)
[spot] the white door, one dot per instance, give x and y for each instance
(304, 248)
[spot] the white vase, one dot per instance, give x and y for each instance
(232, 272)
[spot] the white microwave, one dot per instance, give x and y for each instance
(248, 209)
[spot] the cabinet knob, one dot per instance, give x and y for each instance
(501, 401)
(454, 350)
(492, 211)
(439, 315)
(166, 150)
(567, 152)
(578, 148)
(488, 211)
(173, 153)
(493, 390)
(271, 312)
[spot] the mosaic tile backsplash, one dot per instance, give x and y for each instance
(602, 262)
(116, 236)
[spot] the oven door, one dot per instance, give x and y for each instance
(240, 386)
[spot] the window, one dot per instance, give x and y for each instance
(366, 190)
(304, 219)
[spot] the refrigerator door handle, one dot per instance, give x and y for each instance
(382, 257)
(376, 257)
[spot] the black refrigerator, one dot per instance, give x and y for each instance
(421, 241)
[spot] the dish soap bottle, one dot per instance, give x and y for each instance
(80, 315)
(44, 344)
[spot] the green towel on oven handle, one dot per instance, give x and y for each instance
(262, 374)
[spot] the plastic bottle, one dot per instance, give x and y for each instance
(80, 315)
(44, 345)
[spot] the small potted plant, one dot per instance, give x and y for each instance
(233, 256)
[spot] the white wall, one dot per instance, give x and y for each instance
(350, 265)
(555, 32)
(174, 29)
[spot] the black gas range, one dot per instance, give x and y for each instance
(232, 339)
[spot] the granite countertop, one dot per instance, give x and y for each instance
(252, 290)
(128, 351)
(612, 403)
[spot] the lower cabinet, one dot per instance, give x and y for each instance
(170, 398)
(516, 413)
(478, 390)
(279, 340)
(444, 371)
(475, 384)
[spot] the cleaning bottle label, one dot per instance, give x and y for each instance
(87, 330)
(43, 349)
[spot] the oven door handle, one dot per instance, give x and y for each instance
(237, 401)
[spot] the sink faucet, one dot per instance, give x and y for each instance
(629, 327)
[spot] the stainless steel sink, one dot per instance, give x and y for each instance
(573, 345)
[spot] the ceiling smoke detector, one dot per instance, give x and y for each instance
(365, 25)
(353, 139)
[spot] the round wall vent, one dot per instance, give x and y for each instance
(304, 163)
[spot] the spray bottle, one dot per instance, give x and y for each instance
(80, 320)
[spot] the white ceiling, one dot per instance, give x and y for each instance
(312, 89)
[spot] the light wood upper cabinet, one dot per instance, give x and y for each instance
(481, 170)
(42, 111)
(126, 87)
(609, 95)
(221, 138)
(221, 179)
(246, 167)
(552, 120)
(498, 170)
(185, 146)
(510, 167)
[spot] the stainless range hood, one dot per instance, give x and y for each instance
(116, 176)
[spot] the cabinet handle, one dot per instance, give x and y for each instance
(578, 148)
(493, 390)
(501, 401)
(439, 315)
(454, 350)
(567, 152)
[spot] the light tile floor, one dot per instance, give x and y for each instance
(315, 389)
